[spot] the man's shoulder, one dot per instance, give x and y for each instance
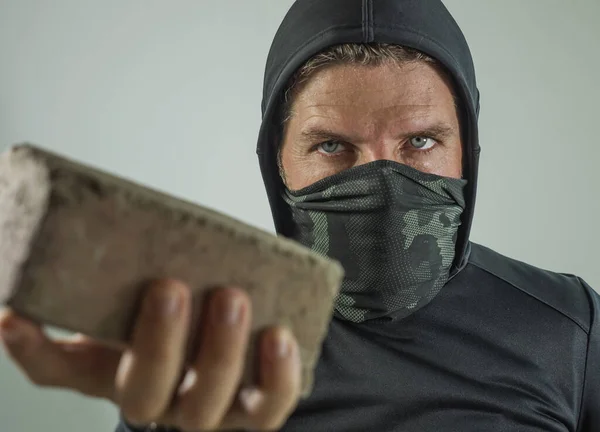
(567, 294)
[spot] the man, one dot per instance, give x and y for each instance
(369, 152)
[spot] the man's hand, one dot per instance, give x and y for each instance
(145, 380)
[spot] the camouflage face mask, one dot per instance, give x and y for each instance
(392, 227)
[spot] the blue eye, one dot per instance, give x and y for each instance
(422, 143)
(330, 147)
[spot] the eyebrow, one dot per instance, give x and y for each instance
(438, 131)
(319, 134)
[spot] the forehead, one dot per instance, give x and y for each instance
(417, 85)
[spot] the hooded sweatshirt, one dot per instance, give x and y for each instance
(503, 346)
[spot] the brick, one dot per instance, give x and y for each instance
(78, 244)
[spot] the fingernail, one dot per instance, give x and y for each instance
(166, 302)
(282, 345)
(228, 310)
(250, 398)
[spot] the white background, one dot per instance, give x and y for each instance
(168, 93)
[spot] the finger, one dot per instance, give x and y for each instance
(219, 366)
(85, 367)
(268, 407)
(149, 371)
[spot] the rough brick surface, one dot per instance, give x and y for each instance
(77, 245)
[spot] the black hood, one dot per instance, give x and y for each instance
(311, 26)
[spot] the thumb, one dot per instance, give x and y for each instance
(78, 364)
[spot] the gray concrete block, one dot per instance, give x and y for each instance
(77, 245)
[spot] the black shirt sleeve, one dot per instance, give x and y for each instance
(590, 410)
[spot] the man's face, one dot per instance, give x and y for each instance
(348, 115)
